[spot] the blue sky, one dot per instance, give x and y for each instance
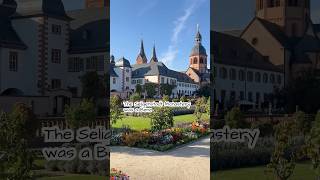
(171, 24)
(235, 14)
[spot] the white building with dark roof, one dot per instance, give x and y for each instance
(44, 50)
(144, 71)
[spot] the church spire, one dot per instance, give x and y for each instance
(141, 59)
(154, 55)
(142, 49)
(198, 37)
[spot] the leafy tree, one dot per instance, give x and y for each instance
(166, 89)
(135, 97)
(80, 115)
(166, 98)
(313, 145)
(139, 89)
(115, 109)
(183, 99)
(200, 107)
(208, 106)
(150, 89)
(302, 123)
(161, 118)
(204, 91)
(17, 129)
(235, 118)
(92, 86)
(283, 159)
(302, 91)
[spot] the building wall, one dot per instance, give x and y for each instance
(28, 31)
(72, 79)
(237, 86)
(61, 42)
(266, 44)
(9, 78)
(118, 85)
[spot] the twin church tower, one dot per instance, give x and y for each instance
(197, 58)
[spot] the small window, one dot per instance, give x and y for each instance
(55, 84)
(85, 34)
(258, 77)
(13, 61)
(265, 78)
(241, 75)
(114, 80)
(254, 41)
(195, 61)
(272, 78)
(233, 74)
(75, 64)
(223, 73)
(279, 79)
(56, 29)
(127, 79)
(250, 76)
(56, 56)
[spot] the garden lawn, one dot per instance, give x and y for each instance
(302, 171)
(140, 123)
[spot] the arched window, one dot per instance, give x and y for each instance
(257, 77)
(294, 29)
(195, 61)
(201, 60)
(250, 76)
(223, 73)
(233, 74)
(279, 79)
(241, 75)
(265, 78)
(272, 78)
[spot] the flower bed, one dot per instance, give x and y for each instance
(161, 140)
(118, 175)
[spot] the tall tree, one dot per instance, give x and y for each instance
(92, 86)
(150, 89)
(115, 109)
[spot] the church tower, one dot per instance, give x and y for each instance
(154, 55)
(198, 56)
(97, 3)
(141, 59)
(291, 15)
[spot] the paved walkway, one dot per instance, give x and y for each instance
(189, 162)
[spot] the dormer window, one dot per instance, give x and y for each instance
(85, 34)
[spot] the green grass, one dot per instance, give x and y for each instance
(74, 177)
(140, 123)
(302, 171)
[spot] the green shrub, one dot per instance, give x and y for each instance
(175, 100)
(235, 119)
(135, 97)
(80, 115)
(166, 98)
(51, 165)
(183, 99)
(161, 118)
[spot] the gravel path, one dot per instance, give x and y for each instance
(190, 162)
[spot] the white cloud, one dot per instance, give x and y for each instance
(179, 23)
